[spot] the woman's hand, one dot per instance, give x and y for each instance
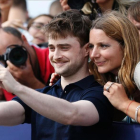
(64, 4)
(116, 95)
(54, 78)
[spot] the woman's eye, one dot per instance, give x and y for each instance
(104, 46)
(38, 27)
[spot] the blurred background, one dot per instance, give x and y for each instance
(36, 7)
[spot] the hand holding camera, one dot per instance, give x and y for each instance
(18, 64)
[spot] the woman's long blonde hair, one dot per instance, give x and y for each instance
(119, 28)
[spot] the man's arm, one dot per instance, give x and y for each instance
(81, 113)
(11, 113)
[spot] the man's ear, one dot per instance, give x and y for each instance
(86, 46)
(23, 38)
(25, 42)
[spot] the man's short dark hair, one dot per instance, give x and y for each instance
(13, 31)
(72, 23)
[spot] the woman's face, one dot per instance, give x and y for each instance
(36, 30)
(105, 52)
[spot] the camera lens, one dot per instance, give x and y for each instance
(18, 56)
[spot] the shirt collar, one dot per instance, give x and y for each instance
(83, 84)
(86, 82)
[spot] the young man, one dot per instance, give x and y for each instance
(36, 71)
(74, 108)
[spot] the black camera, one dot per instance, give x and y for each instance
(78, 4)
(15, 54)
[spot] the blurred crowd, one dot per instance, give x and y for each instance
(108, 30)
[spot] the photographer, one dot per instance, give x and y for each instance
(35, 72)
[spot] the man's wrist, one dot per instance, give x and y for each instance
(19, 88)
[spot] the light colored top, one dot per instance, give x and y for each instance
(137, 75)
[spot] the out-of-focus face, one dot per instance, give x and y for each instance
(137, 24)
(105, 52)
(36, 30)
(66, 55)
(7, 39)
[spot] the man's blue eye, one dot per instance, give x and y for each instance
(51, 48)
(64, 48)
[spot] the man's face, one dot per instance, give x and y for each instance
(7, 39)
(67, 56)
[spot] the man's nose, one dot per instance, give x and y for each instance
(57, 54)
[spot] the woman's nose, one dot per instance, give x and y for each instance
(94, 52)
